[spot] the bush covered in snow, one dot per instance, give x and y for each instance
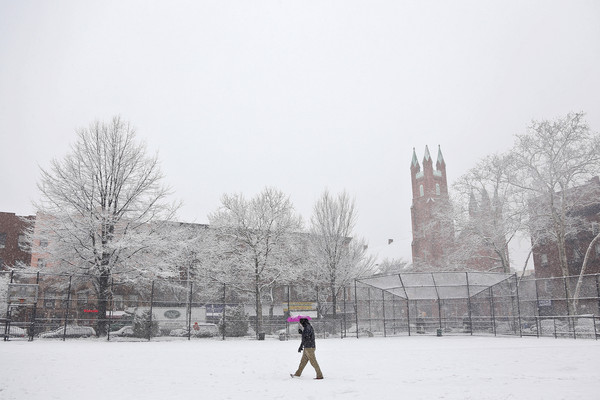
(145, 325)
(236, 322)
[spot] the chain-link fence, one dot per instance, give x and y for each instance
(59, 306)
(50, 306)
(472, 303)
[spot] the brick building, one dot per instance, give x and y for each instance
(13, 249)
(433, 232)
(435, 245)
(586, 216)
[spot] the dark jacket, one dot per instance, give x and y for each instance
(308, 336)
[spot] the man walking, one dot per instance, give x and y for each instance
(309, 347)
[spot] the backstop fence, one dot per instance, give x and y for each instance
(36, 305)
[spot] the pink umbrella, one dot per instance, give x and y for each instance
(297, 318)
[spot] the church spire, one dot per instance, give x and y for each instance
(440, 157)
(415, 162)
(427, 156)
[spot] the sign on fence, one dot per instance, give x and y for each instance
(22, 294)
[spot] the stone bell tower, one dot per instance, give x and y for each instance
(432, 227)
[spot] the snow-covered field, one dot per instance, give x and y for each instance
(367, 368)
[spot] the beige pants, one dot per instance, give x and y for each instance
(309, 355)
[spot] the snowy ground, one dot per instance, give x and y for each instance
(367, 368)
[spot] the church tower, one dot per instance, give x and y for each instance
(432, 227)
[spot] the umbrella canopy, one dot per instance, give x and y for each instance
(297, 318)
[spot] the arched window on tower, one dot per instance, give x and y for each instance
(421, 191)
(437, 189)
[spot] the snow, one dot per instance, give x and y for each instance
(366, 368)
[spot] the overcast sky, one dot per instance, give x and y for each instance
(300, 95)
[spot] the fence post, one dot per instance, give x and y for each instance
(68, 306)
(469, 304)
(287, 324)
(493, 314)
(598, 291)
(112, 305)
(190, 297)
(34, 316)
(538, 324)
(344, 317)
(383, 309)
(318, 304)
(224, 307)
(437, 294)
(369, 308)
(518, 306)
(567, 300)
(356, 307)
(151, 306)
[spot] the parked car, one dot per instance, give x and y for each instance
(72, 331)
(199, 329)
(126, 331)
(14, 331)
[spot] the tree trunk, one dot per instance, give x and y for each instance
(582, 272)
(103, 296)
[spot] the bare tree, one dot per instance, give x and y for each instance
(256, 242)
(103, 210)
(551, 159)
(338, 257)
(486, 225)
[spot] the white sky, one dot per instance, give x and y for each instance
(299, 95)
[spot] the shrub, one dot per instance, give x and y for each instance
(236, 322)
(145, 325)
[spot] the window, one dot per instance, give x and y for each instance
(2, 240)
(544, 260)
(437, 189)
(50, 300)
(595, 228)
(421, 192)
(118, 302)
(41, 263)
(82, 298)
(22, 241)
(1, 264)
(43, 243)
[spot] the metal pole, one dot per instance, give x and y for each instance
(356, 307)
(469, 303)
(518, 306)
(566, 295)
(224, 307)
(68, 306)
(318, 304)
(383, 308)
(537, 307)
(439, 300)
(344, 317)
(112, 305)
(34, 316)
(407, 303)
(151, 306)
(567, 302)
(369, 307)
(598, 291)
(492, 312)
(190, 297)
(287, 324)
